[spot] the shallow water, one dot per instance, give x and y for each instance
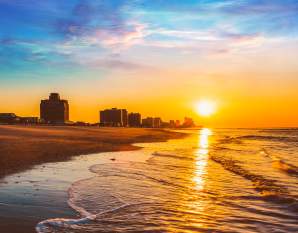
(211, 181)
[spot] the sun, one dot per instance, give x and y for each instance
(205, 108)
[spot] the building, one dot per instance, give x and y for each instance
(9, 118)
(165, 124)
(114, 117)
(29, 120)
(147, 122)
(188, 123)
(157, 122)
(134, 119)
(54, 110)
(124, 118)
(172, 124)
(151, 122)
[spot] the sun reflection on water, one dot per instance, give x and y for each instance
(202, 158)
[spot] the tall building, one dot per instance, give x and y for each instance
(124, 118)
(134, 119)
(54, 110)
(114, 117)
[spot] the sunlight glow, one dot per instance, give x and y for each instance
(202, 158)
(205, 108)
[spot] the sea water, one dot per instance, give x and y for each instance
(211, 181)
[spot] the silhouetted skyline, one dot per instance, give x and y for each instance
(55, 111)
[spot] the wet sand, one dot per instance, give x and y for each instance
(21, 147)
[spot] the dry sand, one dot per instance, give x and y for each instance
(21, 147)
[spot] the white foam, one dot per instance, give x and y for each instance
(44, 226)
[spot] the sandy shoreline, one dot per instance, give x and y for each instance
(21, 147)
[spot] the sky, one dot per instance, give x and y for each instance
(157, 57)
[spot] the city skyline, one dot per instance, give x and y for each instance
(153, 56)
(55, 111)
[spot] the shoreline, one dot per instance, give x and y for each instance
(22, 147)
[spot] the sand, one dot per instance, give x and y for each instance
(21, 147)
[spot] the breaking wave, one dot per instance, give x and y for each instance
(269, 189)
(281, 164)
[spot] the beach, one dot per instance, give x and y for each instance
(209, 181)
(21, 147)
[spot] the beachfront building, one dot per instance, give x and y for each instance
(29, 120)
(188, 123)
(151, 122)
(9, 118)
(113, 117)
(134, 119)
(54, 110)
(147, 122)
(157, 122)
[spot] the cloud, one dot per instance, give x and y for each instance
(102, 23)
(87, 32)
(113, 64)
(253, 7)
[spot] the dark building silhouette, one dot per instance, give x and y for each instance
(172, 124)
(9, 118)
(165, 124)
(151, 122)
(29, 120)
(188, 122)
(147, 122)
(54, 110)
(134, 119)
(124, 118)
(157, 122)
(114, 117)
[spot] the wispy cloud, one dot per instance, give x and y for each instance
(69, 32)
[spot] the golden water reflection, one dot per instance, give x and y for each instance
(202, 158)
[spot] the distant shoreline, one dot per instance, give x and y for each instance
(22, 147)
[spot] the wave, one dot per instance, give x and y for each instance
(158, 154)
(269, 189)
(222, 148)
(229, 139)
(280, 164)
(45, 226)
(269, 137)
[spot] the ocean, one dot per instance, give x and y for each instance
(214, 180)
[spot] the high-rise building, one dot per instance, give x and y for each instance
(124, 118)
(114, 117)
(54, 110)
(134, 119)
